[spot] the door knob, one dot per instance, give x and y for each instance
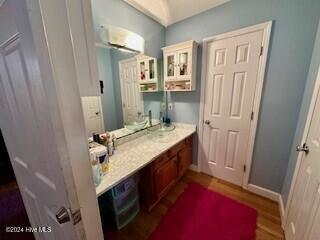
(303, 148)
(97, 113)
(62, 215)
(207, 122)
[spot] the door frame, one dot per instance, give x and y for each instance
(266, 27)
(315, 94)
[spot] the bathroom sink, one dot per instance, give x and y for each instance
(135, 126)
(162, 134)
(161, 130)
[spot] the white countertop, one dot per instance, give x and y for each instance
(134, 155)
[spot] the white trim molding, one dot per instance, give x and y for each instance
(282, 211)
(266, 28)
(274, 196)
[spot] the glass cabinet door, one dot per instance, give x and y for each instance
(170, 66)
(184, 60)
(142, 70)
(152, 69)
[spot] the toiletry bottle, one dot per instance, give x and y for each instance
(96, 137)
(110, 147)
(114, 141)
(105, 164)
(96, 169)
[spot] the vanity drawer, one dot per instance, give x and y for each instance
(162, 159)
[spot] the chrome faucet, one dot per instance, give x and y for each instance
(150, 118)
(161, 119)
(145, 115)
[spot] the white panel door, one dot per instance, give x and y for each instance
(92, 112)
(231, 78)
(303, 220)
(41, 163)
(132, 102)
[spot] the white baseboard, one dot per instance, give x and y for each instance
(194, 167)
(264, 192)
(282, 211)
(270, 195)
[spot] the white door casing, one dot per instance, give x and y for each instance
(93, 117)
(132, 101)
(233, 69)
(38, 112)
(303, 219)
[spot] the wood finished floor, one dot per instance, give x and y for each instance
(268, 225)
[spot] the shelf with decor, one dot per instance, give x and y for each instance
(180, 62)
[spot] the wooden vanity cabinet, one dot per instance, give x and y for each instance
(158, 177)
(185, 159)
(165, 176)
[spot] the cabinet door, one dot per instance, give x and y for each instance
(152, 69)
(170, 64)
(184, 159)
(165, 177)
(184, 63)
(142, 70)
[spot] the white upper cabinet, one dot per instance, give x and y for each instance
(180, 62)
(149, 77)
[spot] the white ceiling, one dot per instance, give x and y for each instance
(168, 12)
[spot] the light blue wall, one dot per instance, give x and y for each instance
(152, 101)
(121, 14)
(108, 101)
(294, 30)
(308, 91)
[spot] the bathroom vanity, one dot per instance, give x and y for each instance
(160, 161)
(160, 175)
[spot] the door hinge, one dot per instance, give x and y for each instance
(244, 168)
(252, 115)
(261, 51)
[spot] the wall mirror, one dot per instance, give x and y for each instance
(128, 78)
